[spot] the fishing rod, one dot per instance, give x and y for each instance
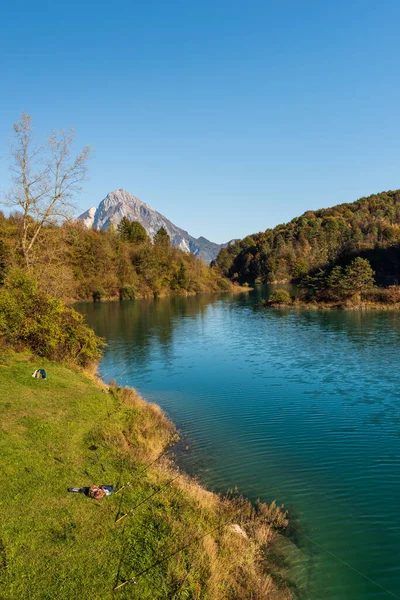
(122, 560)
(199, 538)
(346, 564)
(130, 513)
(144, 469)
(160, 561)
(128, 484)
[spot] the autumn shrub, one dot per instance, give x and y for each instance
(280, 297)
(390, 295)
(98, 294)
(224, 284)
(127, 293)
(32, 318)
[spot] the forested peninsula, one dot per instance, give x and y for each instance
(345, 256)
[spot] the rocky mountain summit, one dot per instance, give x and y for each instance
(120, 203)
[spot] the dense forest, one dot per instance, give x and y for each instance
(321, 239)
(74, 263)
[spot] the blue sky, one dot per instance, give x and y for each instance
(227, 116)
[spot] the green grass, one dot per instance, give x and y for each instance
(54, 544)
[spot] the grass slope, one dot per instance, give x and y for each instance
(56, 545)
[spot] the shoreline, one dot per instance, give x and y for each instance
(238, 545)
(327, 306)
(235, 289)
(280, 546)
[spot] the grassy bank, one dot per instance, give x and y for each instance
(362, 305)
(71, 430)
(320, 305)
(373, 299)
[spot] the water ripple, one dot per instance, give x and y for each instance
(300, 406)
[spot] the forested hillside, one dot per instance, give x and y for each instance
(318, 239)
(74, 263)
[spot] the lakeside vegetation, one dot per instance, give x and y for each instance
(74, 263)
(351, 287)
(160, 529)
(368, 228)
(74, 431)
(69, 261)
(30, 318)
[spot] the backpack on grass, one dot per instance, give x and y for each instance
(39, 374)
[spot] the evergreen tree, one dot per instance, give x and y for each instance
(124, 229)
(359, 275)
(138, 234)
(162, 239)
(336, 282)
(182, 277)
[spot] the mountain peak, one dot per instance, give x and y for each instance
(121, 203)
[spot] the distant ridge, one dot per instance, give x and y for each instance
(120, 203)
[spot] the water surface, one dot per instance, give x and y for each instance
(300, 406)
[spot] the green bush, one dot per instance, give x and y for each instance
(280, 297)
(98, 294)
(127, 293)
(36, 320)
(224, 285)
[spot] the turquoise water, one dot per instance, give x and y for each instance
(300, 406)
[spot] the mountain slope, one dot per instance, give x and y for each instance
(120, 203)
(316, 240)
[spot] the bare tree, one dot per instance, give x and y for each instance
(45, 179)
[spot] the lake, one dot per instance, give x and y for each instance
(302, 406)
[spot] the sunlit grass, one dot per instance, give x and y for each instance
(72, 431)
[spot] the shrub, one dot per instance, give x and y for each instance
(224, 285)
(393, 294)
(31, 317)
(280, 297)
(127, 293)
(98, 294)
(356, 279)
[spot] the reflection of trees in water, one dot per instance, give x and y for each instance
(136, 329)
(363, 327)
(145, 323)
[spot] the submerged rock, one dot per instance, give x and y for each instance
(295, 563)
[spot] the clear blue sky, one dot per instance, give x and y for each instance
(226, 116)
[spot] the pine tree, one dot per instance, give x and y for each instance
(124, 229)
(162, 239)
(138, 234)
